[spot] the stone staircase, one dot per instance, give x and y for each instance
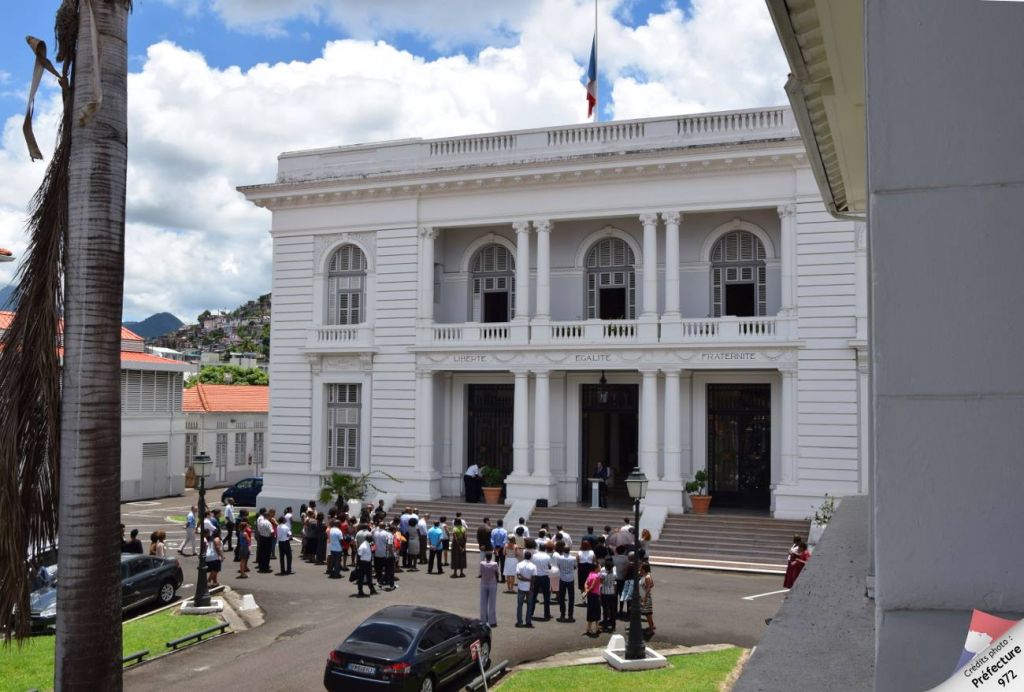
(723, 541)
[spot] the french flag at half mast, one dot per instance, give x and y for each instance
(592, 78)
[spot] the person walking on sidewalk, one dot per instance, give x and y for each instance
(489, 589)
(190, 533)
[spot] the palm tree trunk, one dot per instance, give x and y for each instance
(89, 609)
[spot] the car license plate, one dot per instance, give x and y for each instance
(365, 670)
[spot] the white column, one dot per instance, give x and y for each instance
(522, 229)
(543, 269)
(686, 426)
(424, 423)
(671, 219)
(541, 426)
(521, 425)
(649, 423)
(650, 302)
(672, 427)
(787, 216)
(426, 302)
(789, 427)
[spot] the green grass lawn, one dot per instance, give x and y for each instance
(31, 666)
(691, 672)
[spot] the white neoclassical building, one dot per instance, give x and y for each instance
(666, 293)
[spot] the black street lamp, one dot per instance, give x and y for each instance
(636, 648)
(201, 465)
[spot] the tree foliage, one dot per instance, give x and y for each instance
(230, 374)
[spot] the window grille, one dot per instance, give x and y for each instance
(343, 414)
(609, 264)
(191, 447)
(221, 458)
(738, 258)
(239, 449)
(346, 284)
(257, 448)
(492, 271)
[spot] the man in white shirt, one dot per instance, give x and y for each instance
(422, 527)
(526, 573)
(562, 535)
(264, 541)
(229, 522)
(526, 529)
(471, 481)
(542, 581)
(365, 574)
(566, 564)
(334, 546)
(284, 546)
(380, 550)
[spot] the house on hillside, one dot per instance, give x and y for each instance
(228, 422)
(152, 422)
(668, 293)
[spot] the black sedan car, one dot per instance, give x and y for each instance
(406, 647)
(143, 579)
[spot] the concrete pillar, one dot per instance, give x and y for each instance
(521, 424)
(672, 428)
(541, 426)
(424, 423)
(543, 229)
(671, 219)
(787, 259)
(649, 423)
(686, 426)
(650, 299)
(789, 427)
(426, 303)
(522, 229)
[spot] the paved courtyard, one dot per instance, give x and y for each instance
(307, 614)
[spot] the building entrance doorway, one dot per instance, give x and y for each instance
(739, 445)
(609, 416)
(489, 410)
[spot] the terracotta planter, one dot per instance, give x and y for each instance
(492, 495)
(700, 503)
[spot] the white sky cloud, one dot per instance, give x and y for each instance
(196, 132)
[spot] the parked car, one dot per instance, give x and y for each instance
(244, 492)
(404, 647)
(144, 579)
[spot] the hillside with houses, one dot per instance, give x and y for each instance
(240, 336)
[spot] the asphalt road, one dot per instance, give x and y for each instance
(307, 614)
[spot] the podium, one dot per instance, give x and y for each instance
(595, 492)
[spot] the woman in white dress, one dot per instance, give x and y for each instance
(512, 556)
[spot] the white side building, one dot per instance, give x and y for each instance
(229, 423)
(666, 293)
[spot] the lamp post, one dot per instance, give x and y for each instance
(201, 465)
(636, 649)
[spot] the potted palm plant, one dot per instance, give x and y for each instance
(697, 490)
(494, 478)
(342, 487)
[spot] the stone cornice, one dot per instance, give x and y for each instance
(568, 172)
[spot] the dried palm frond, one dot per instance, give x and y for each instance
(30, 394)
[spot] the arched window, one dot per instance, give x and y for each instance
(611, 281)
(346, 286)
(738, 275)
(493, 284)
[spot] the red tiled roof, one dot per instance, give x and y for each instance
(226, 398)
(130, 335)
(5, 252)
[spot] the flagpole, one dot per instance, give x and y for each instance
(597, 78)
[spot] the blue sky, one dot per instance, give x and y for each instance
(217, 88)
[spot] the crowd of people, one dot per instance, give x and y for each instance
(544, 570)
